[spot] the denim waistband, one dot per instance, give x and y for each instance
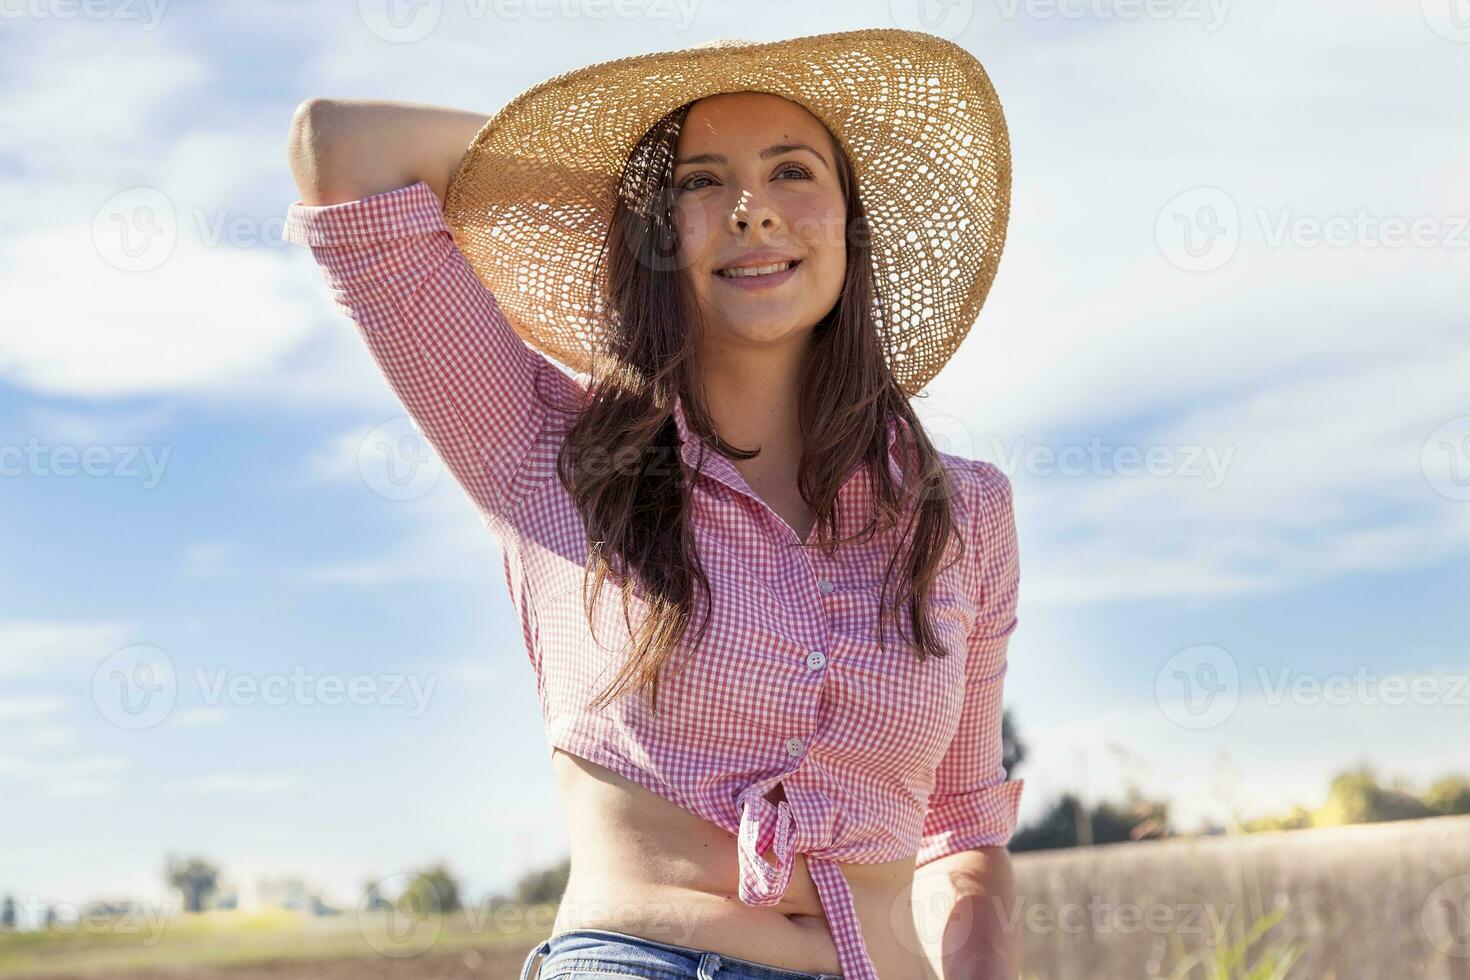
(664, 961)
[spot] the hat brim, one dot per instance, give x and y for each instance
(530, 201)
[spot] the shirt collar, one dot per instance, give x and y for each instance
(720, 468)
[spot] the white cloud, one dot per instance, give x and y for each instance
(89, 427)
(198, 717)
(83, 328)
(236, 783)
(30, 648)
(1323, 369)
(89, 765)
(1325, 477)
(92, 97)
(207, 559)
(29, 707)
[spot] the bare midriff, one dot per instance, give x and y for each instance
(645, 866)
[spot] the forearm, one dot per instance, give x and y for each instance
(344, 149)
(966, 917)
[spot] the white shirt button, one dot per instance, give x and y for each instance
(794, 746)
(816, 660)
(825, 585)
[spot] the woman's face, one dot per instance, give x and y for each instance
(754, 171)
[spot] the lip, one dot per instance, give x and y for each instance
(761, 282)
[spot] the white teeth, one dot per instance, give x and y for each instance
(758, 270)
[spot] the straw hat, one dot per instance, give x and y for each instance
(530, 203)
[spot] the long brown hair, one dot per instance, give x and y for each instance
(620, 459)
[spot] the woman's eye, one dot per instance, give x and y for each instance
(688, 184)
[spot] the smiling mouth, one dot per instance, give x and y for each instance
(757, 271)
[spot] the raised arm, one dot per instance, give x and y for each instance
(344, 149)
(372, 178)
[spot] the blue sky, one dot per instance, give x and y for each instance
(1165, 289)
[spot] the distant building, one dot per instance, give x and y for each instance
(282, 893)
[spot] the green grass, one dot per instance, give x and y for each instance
(242, 937)
(1237, 960)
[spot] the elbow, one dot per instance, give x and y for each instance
(308, 146)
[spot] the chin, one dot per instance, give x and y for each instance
(762, 332)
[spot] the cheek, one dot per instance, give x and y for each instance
(821, 230)
(695, 229)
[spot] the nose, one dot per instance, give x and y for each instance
(752, 209)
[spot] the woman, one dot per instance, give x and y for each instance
(808, 642)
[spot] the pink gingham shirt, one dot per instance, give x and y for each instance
(880, 757)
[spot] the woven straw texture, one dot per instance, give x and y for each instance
(529, 204)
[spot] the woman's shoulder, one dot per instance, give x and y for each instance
(983, 491)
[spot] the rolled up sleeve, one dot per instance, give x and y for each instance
(973, 804)
(472, 386)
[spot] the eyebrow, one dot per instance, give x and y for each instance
(766, 154)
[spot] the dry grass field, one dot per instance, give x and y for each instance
(1388, 901)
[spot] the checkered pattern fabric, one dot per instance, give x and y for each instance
(879, 756)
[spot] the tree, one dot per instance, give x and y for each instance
(373, 897)
(543, 887)
(1013, 750)
(1449, 796)
(432, 890)
(1356, 797)
(1069, 823)
(195, 878)
(7, 914)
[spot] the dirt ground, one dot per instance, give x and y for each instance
(489, 963)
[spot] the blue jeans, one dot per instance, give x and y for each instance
(597, 954)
